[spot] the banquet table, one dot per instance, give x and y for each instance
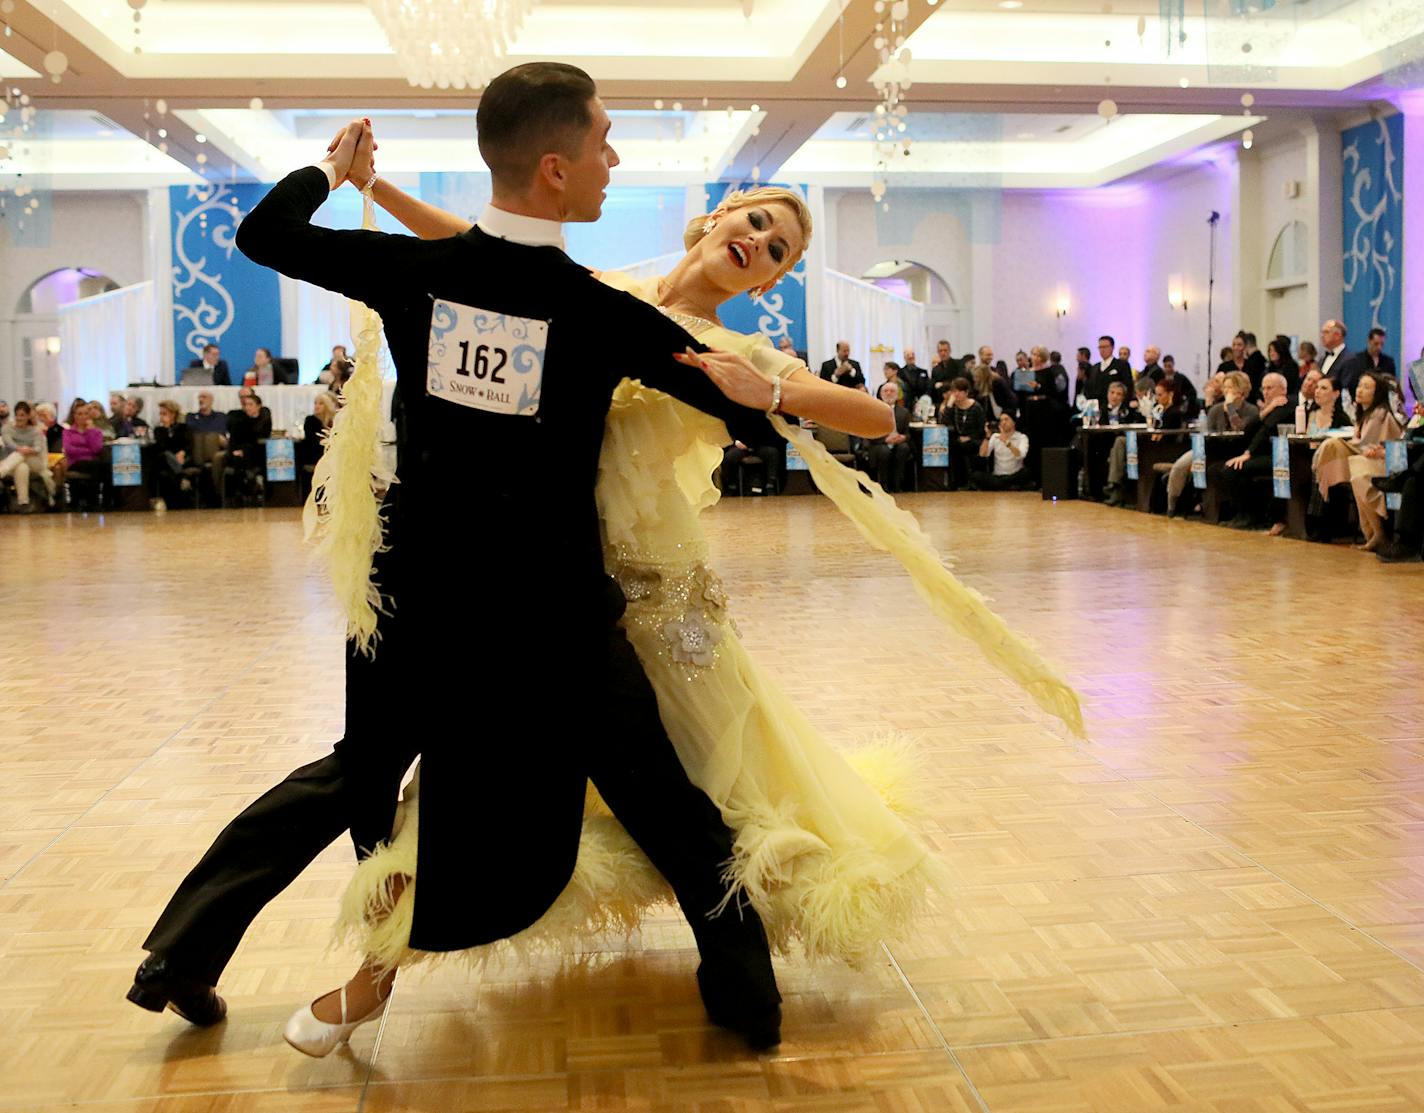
(289, 404)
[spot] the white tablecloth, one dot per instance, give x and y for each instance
(289, 404)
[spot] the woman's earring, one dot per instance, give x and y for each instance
(711, 224)
(758, 291)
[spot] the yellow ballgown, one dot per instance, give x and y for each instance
(825, 842)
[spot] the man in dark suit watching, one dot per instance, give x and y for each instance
(1254, 363)
(1108, 370)
(1241, 474)
(1373, 358)
(208, 371)
(944, 372)
(788, 346)
(843, 371)
(1335, 358)
(916, 379)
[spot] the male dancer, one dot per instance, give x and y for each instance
(496, 557)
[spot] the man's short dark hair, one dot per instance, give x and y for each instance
(255, 397)
(1055, 357)
(1170, 359)
(939, 342)
(960, 383)
(528, 112)
(21, 407)
(210, 348)
(1377, 332)
(1085, 351)
(1111, 342)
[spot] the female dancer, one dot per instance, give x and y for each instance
(823, 848)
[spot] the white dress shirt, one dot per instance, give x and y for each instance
(1005, 462)
(531, 230)
(1331, 354)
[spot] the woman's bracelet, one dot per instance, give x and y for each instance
(775, 396)
(369, 186)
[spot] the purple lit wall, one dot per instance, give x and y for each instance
(1112, 252)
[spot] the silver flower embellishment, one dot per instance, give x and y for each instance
(713, 593)
(692, 639)
(638, 584)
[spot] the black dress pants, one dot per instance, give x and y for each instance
(889, 463)
(631, 762)
(1248, 488)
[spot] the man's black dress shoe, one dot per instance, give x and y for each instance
(762, 1033)
(157, 986)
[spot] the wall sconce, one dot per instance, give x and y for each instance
(1176, 294)
(52, 345)
(1060, 306)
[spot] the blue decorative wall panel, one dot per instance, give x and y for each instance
(219, 295)
(1373, 165)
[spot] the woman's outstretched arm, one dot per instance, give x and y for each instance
(811, 398)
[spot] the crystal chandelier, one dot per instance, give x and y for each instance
(892, 82)
(450, 44)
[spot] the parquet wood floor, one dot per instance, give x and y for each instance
(1216, 905)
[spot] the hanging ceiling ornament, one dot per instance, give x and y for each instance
(892, 82)
(442, 44)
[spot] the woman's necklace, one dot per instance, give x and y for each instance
(670, 301)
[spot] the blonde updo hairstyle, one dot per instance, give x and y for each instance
(747, 198)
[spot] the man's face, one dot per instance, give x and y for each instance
(1308, 386)
(943, 350)
(205, 403)
(1238, 349)
(1272, 389)
(1006, 425)
(1124, 353)
(1376, 345)
(1020, 361)
(131, 408)
(116, 403)
(786, 346)
(889, 392)
(1169, 365)
(986, 355)
(1152, 355)
(586, 176)
(210, 356)
(1105, 349)
(4, 410)
(338, 352)
(250, 407)
(843, 351)
(909, 357)
(1116, 393)
(1330, 335)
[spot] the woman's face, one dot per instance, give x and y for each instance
(165, 417)
(1164, 396)
(261, 357)
(82, 417)
(1233, 397)
(1271, 352)
(1325, 395)
(1365, 392)
(23, 418)
(749, 246)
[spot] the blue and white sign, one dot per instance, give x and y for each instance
(1280, 466)
(486, 360)
(934, 450)
(1199, 461)
(1396, 460)
(794, 460)
(127, 465)
(281, 461)
(1131, 454)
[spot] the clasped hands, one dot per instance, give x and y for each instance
(352, 153)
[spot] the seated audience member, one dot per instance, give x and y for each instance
(208, 370)
(206, 419)
(1144, 395)
(174, 440)
(1116, 411)
(4, 413)
(965, 419)
(338, 355)
(83, 443)
(1359, 460)
(1186, 392)
(246, 429)
(1170, 412)
(1212, 394)
(773, 461)
(1324, 410)
(1278, 355)
(1008, 449)
(993, 393)
(48, 420)
(788, 347)
(315, 428)
(888, 457)
(133, 417)
(1308, 358)
(261, 373)
(1240, 474)
(1408, 543)
(24, 456)
(891, 372)
(1166, 414)
(1229, 415)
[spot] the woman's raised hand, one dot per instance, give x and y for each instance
(352, 152)
(734, 376)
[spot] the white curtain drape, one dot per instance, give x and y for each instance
(313, 321)
(867, 317)
(107, 342)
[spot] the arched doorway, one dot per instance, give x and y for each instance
(34, 328)
(923, 284)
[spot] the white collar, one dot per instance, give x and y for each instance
(532, 231)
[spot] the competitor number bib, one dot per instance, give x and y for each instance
(486, 360)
